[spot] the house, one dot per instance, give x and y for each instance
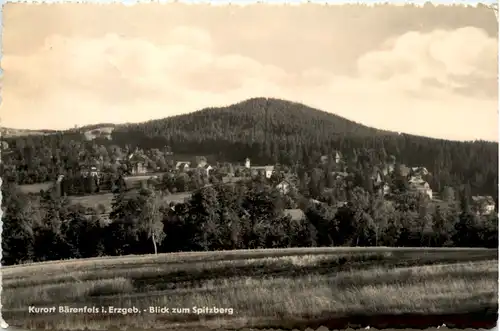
(266, 171)
(377, 177)
(419, 171)
(207, 168)
(388, 169)
(58, 185)
(138, 168)
(483, 205)
(339, 174)
(404, 170)
(415, 180)
(341, 204)
(201, 163)
(419, 185)
(137, 164)
(338, 157)
(87, 171)
(323, 159)
(389, 166)
(167, 151)
(386, 189)
(284, 187)
(182, 165)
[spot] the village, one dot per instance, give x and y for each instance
(139, 170)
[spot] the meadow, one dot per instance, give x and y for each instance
(254, 288)
(35, 188)
(106, 199)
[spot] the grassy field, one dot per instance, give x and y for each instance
(106, 199)
(256, 288)
(35, 188)
(104, 132)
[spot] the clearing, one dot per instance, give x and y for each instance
(35, 188)
(101, 132)
(106, 199)
(252, 288)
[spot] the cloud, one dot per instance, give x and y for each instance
(451, 60)
(414, 82)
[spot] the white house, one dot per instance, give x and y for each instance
(89, 171)
(283, 187)
(386, 189)
(377, 177)
(338, 157)
(420, 185)
(267, 171)
(202, 163)
(419, 171)
(415, 180)
(182, 165)
(484, 205)
(207, 168)
(264, 170)
(339, 174)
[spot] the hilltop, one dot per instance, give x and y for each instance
(250, 118)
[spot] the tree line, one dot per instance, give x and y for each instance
(243, 215)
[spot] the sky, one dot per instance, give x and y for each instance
(77, 64)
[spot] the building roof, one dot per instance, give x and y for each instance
(134, 157)
(377, 173)
(284, 182)
(416, 180)
(182, 164)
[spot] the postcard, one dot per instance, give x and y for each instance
(185, 166)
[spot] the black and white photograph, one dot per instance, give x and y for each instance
(175, 166)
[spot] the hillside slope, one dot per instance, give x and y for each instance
(267, 131)
(251, 119)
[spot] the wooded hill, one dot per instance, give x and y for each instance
(267, 131)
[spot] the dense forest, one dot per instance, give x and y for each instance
(269, 131)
